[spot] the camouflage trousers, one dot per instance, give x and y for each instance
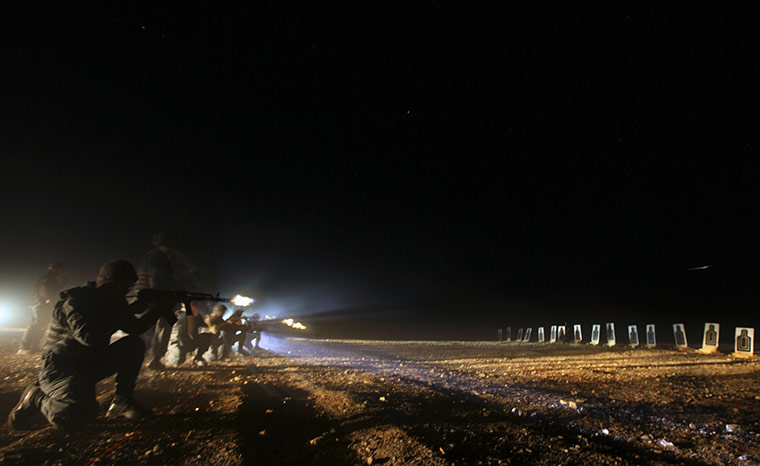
(69, 385)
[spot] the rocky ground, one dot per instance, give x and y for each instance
(417, 403)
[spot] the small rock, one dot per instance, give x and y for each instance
(370, 460)
(605, 431)
(665, 444)
(732, 427)
(382, 398)
(263, 432)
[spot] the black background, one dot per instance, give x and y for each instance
(374, 168)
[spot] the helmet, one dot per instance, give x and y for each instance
(166, 238)
(116, 271)
(219, 309)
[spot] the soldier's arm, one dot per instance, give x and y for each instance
(136, 326)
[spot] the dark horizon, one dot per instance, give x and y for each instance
(415, 163)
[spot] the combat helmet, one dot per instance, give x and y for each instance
(116, 271)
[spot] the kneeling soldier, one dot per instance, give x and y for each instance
(78, 352)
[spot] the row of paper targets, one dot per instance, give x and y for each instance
(744, 337)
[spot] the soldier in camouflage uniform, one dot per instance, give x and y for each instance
(155, 271)
(46, 293)
(78, 352)
(215, 327)
(165, 267)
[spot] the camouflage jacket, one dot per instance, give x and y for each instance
(84, 320)
(155, 272)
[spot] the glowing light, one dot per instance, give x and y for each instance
(4, 312)
(242, 301)
(291, 323)
(704, 267)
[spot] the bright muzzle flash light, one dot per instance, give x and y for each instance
(242, 301)
(292, 324)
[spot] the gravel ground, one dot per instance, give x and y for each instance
(417, 403)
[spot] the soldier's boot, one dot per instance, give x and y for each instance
(126, 407)
(23, 415)
(200, 362)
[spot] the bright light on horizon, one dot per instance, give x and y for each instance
(4, 312)
(292, 324)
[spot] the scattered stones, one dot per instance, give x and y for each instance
(665, 444)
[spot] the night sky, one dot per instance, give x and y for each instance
(372, 168)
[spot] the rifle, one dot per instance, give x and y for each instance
(177, 296)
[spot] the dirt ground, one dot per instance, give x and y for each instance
(416, 403)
